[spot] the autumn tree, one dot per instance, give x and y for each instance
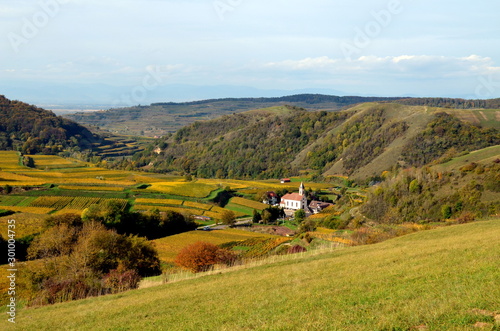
(228, 217)
(76, 259)
(307, 226)
(201, 256)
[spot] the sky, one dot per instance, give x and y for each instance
(136, 51)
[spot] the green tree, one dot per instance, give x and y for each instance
(300, 215)
(111, 214)
(256, 216)
(415, 186)
(266, 216)
(446, 212)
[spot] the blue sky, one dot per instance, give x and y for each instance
(385, 48)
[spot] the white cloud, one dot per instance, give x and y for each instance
(403, 65)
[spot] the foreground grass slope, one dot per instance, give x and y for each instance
(433, 278)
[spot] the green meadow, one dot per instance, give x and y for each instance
(442, 279)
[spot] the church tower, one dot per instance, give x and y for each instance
(302, 189)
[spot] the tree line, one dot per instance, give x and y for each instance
(105, 250)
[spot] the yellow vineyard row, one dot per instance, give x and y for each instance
(185, 189)
(68, 211)
(197, 205)
(158, 201)
(163, 208)
(92, 188)
(249, 203)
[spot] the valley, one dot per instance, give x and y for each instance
(377, 171)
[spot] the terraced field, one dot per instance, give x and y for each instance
(185, 189)
(68, 185)
(48, 204)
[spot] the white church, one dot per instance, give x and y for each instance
(295, 201)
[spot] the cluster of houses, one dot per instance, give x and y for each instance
(292, 202)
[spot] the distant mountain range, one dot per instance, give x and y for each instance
(55, 96)
(159, 119)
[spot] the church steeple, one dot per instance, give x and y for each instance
(302, 189)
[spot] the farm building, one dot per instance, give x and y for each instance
(270, 198)
(318, 206)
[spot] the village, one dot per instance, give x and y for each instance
(292, 202)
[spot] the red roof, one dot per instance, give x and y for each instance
(292, 196)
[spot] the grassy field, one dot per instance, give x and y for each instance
(486, 155)
(443, 279)
(485, 117)
(239, 209)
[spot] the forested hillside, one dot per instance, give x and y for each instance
(427, 194)
(281, 141)
(158, 119)
(357, 142)
(447, 134)
(253, 144)
(30, 130)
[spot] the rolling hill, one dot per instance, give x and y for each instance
(36, 130)
(32, 130)
(443, 279)
(359, 142)
(159, 119)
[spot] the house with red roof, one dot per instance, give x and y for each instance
(270, 198)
